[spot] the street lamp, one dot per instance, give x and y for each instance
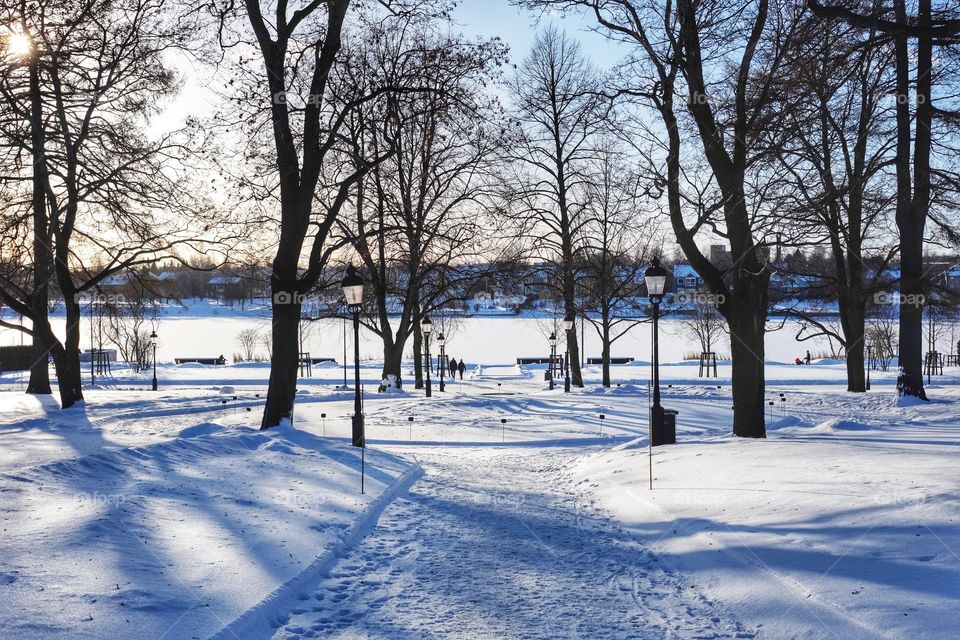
(553, 355)
(655, 278)
(568, 325)
(869, 364)
(153, 342)
(426, 326)
(353, 293)
(443, 363)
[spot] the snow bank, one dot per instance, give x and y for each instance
(849, 536)
(176, 538)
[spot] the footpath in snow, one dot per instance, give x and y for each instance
(489, 545)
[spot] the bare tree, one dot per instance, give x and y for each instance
(300, 96)
(724, 57)
(97, 72)
(881, 334)
(248, 340)
(916, 117)
(560, 113)
(616, 250)
(703, 324)
(418, 223)
(834, 153)
(129, 324)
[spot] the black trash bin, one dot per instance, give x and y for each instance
(666, 431)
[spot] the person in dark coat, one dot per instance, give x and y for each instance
(453, 367)
(461, 368)
(808, 357)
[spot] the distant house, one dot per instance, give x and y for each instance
(217, 286)
(686, 278)
(794, 283)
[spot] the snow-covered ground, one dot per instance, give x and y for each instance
(502, 510)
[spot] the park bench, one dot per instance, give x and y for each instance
(211, 361)
(620, 360)
(535, 360)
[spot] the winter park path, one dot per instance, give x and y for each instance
(490, 544)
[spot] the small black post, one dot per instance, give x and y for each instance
(503, 429)
(410, 421)
(324, 417)
(601, 424)
(153, 339)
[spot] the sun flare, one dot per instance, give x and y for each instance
(18, 44)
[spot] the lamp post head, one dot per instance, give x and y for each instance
(655, 277)
(568, 323)
(426, 325)
(441, 340)
(552, 339)
(153, 338)
(352, 286)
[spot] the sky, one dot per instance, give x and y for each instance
(516, 27)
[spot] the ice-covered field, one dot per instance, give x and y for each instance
(204, 328)
(502, 510)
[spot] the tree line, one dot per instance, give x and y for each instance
(375, 134)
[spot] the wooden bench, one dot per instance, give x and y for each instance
(210, 361)
(620, 360)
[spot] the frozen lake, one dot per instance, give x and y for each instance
(205, 329)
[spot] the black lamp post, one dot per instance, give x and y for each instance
(655, 278)
(153, 342)
(568, 326)
(869, 364)
(426, 326)
(353, 293)
(441, 341)
(553, 357)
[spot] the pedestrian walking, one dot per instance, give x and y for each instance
(461, 368)
(453, 367)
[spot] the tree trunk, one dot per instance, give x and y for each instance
(418, 357)
(42, 254)
(393, 360)
(39, 371)
(747, 327)
(605, 355)
(576, 377)
(283, 361)
(67, 359)
(912, 205)
(852, 320)
(910, 382)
